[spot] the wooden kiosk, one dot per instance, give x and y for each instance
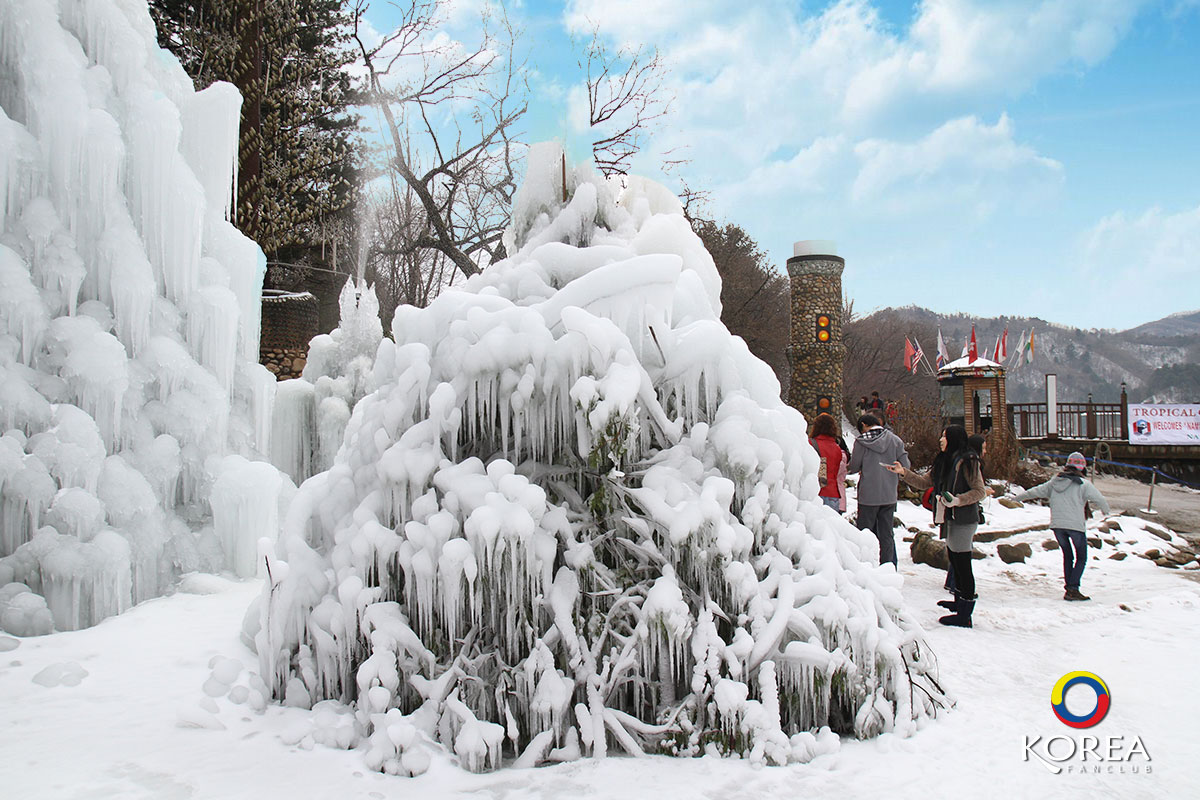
(972, 395)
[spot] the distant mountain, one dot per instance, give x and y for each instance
(1158, 361)
(1186, 323)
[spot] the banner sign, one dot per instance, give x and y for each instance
(1163, 424)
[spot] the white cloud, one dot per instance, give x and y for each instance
(964, 166)
(822, 168)
(1154, 249)
(753, 77)
(635, 21)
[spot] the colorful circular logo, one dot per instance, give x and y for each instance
(1058, 699)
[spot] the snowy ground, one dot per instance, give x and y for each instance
(139, 721)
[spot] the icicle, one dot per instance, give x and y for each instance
(210, 136)
(245, 508)
(212, 331)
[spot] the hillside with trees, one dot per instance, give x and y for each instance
(1157, 361)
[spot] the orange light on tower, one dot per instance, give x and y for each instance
(823, 332)
(824, 404)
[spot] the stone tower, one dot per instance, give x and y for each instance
(815, 351)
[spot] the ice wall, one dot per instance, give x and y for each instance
(128, 316)
(574, 515)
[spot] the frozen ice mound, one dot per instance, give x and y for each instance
(574, 514)
(129, 315)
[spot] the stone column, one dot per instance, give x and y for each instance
(816, 357)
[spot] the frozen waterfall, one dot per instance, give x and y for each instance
(129, 315)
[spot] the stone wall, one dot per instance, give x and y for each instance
(289, 322)
(816, 283)
(283, 363)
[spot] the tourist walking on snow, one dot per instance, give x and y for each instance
(1068, 494)
(956, 478)
(834, 455)
(874, 449)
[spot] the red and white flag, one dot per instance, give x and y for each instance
(917, 356)
(910, 356)
(973, 349)
(1001, 348)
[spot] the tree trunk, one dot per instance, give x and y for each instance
(248, 78)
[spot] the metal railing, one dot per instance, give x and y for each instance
(1075, 420)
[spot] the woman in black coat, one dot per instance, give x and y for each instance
(957, 481)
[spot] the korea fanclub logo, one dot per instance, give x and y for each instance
(1088, 753)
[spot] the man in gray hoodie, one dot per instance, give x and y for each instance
(1067, 493)
(874, 450)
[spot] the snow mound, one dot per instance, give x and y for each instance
(129, 316)
(574, 514)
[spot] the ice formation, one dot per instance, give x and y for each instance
(574, 515)
(311, 413)
(129, 314)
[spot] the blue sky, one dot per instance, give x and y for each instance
(1002, 157)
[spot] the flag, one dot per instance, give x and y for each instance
(1018, 355)
(910, 355)
(917, 356)
(973, 352)
(1029, 348)
(1000, 352)
(943, 357)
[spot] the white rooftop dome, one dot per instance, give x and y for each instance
(815, 247)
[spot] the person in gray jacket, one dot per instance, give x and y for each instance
(1067, 493)
(875, 448)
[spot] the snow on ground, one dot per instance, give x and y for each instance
(139, 706)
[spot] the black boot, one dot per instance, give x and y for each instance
(952, 605)
(962, 616)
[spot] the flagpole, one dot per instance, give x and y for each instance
(928, 366)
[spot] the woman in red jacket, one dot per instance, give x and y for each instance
(832, 449)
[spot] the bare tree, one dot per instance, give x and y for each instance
(874, 359)
(626, 98)
(460, 175)
(401, 273)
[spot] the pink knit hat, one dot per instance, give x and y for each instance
(1077, 461)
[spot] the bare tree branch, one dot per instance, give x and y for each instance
(626, 97)
(463, 192)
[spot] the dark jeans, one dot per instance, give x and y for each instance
(1074, 550)
(878, 520)
(964, 578)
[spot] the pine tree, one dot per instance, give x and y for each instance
(755, 299)
(297, 166)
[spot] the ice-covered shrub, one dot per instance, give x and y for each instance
(575, 515)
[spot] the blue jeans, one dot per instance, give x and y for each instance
(832, 502)
(1074, 550)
